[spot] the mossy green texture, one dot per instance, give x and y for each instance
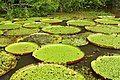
(107, 66)
(58, 53)
(9, 26)
(81, 22)
(36, 25)
(104, 40)
(21, 31)
(7, 62)
(104, 29)
(75, 40)
(46, 72)
(21, 48)
(4, 41)
(51, 20)
(42, 38)
(61, 29)
(107, 21)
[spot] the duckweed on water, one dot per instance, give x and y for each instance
(107, 66)
(7, 62)
(46, 72)
(42, 38)
(61, 30)
(21, 48)
(104, 29)
(81, 23)
(58, 53)
(103, 40)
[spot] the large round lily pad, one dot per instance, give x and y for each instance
(7, 62)
(81, 22)
(46, 72)
(21, 31)
(58, 53)
(21, 48)
(36, 25)
(42, 38)
(61, 29)
(10, 26)
(107, 21)
(107, 41)
(5, 22)
(107, 66)
(2, 19)
(52, 21)
(104, 28)
(1, 32)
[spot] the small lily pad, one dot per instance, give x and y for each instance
(107, 66)
(7, 62)
(104, 29)
(52, 21)
(107, 21)
(104, 40)
(46, 72)
(9, 26)
(21, 31)
(61, 29)
(58, 53)
(21, 48)
(81, 23)
(42, 38)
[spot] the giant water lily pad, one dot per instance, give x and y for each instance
(52, 21)
(104, 29)
(7, 62)
(61, 30)
(107, 66)
(9, 26)
(103, 40)
(2, 19)
(46, 72)
(42, 38)
(107, 21)
(21, 31)
(34, 19)
(5, 22)
(1, 32)
(21, 48)
(58, 53)
(4, 41)
(80, 22)
(36, 25)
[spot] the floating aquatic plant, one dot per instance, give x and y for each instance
(34, 19)
(58, 53)
(46, 72)
(2, 19)
(10, 26)
(107, 21)
(23, 22)
(7, 62)
(42, 38)
(104, 28)
(5, 22)
(1, 32)
(106, 16)
(81, 22)
(21, 31)
(21, 48)
(61, 30)
(103, 40)
(107, 66)
(52, 21)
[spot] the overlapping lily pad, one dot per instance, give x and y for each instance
(107, 66)
(61, 30)
(36, 25)
(46, 72)
(104, 29)
(52, 21)
(21, 48)
(107, 41)
(21, 31)
(42, 38)
(81, 23)
(7, 62)
(58, 53)
(107, 21)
